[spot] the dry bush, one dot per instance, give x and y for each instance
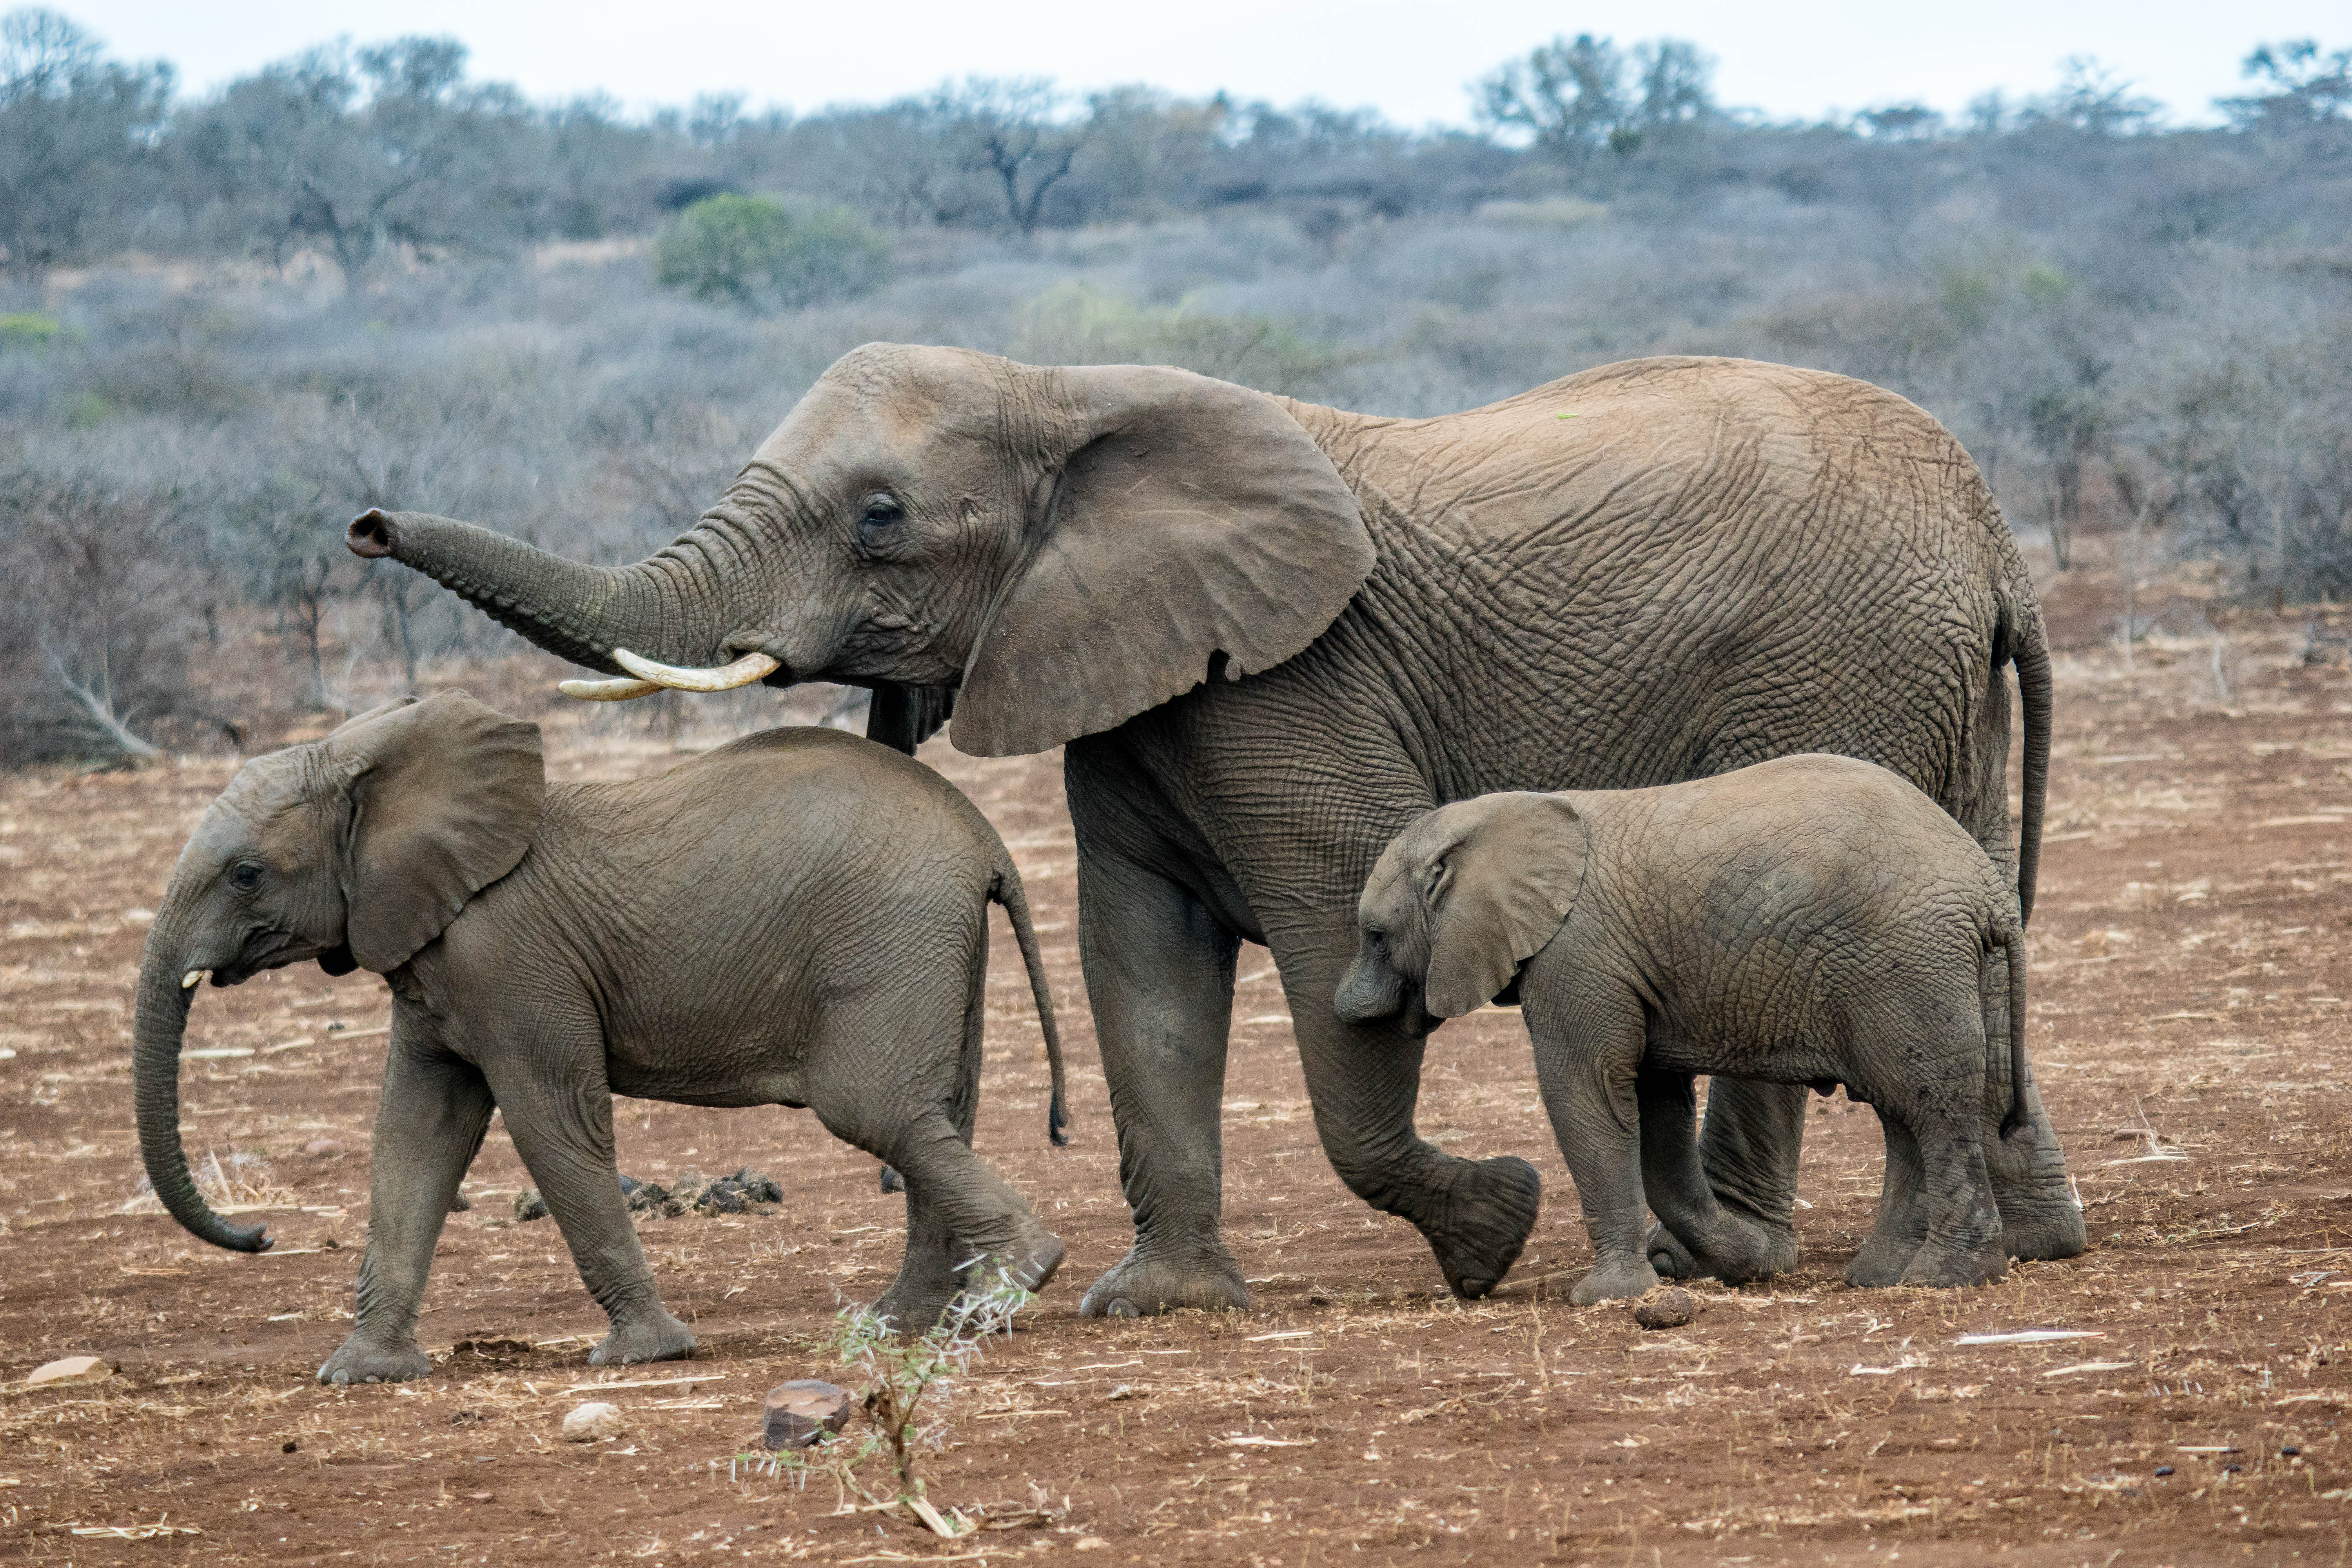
(102, 615)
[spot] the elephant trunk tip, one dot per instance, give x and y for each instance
(370, 534)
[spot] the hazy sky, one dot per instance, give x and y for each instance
(1410, 60)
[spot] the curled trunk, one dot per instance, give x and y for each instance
(155, 1081)
(664, 606)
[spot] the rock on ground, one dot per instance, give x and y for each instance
(800, 1412)
(73, 1369)
(593, 1422)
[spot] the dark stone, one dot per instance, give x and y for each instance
(1667, 1308)
(2164, 1469)
(799, 1412)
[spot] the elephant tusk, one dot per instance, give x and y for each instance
(188, 981)
(752, 667)
(607, 691)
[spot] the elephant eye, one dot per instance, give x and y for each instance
(247, 874)
(882, 509)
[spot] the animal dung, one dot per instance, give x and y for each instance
(797, 1414)
(73, 1369)
(593, 1423)
(1666, 1308)
(746, 1192)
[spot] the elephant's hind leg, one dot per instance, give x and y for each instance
(965, 1227)
(428, 1126)
(2040, 1218)
(1962, 1246)
(1936, 1103)
(1903, 1213)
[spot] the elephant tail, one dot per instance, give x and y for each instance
(1006, 891)
(2029, 649)
(2011, 939)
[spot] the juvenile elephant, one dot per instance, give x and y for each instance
(1811, 919)
(797, 919)
(1273, 634)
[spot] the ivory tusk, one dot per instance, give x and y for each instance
(752, 667)
(607, 691)
(188, 981)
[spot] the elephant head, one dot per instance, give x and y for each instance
(354, 850)
(1048, 551)
(1461, 898)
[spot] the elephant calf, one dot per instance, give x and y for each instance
(1812, 920)
(797, 919)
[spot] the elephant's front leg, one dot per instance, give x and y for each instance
(559, 1111)
(1749, 1147)
(428, 1126)
(1588, 1046)
(1159, 976)
(1365, 1081)
(1707, 1239)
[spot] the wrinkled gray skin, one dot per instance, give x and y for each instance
(1273, 634)
(797, 919)
(1811, 919)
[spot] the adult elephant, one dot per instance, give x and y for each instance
(1272, 634)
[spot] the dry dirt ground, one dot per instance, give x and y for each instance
(2190, 986)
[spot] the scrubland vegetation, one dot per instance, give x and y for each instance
(362, 278)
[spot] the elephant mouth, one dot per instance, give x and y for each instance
(272, 950)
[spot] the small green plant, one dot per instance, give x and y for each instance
(26, 330)
(908, 1378)
(760, 254)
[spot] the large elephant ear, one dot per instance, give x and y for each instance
(1497, 885)
(1194, 529)
(445, 795)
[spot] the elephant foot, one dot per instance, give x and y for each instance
(1945, 1269)
(1881, 1263)
(912, 1308)
(1668, 1255)
(1615, 1280)
(2046, 1235)
(1737, 1252)
(1486, 1222)
(363, 1361)
(1143, 1286)
(1035, 1265)
(1030, 1264)
(658, 1336)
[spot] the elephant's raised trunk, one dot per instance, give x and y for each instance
(667, 605)
(162, 1022)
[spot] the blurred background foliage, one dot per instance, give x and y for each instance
(362, 278)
